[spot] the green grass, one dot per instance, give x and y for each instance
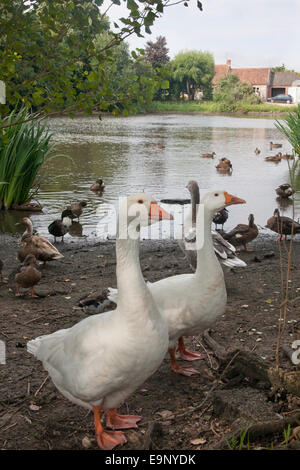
(216, 107)
(23, 150)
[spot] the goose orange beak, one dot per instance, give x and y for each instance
(158, 213)
(230, 199)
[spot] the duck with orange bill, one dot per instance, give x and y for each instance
(99, 362)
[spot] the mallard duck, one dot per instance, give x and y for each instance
(243, 234)
(224, 165)
(287, 156)
(276, 158)
(28, 276)
(285, 190)
(257, 151)
(282, 225)
(275, 146)
(99, 362)
(208, 155)
(98, 186)
(192, 302)
(76, 208)
(220, 217)
(60, 227)
(36, 245)
(158, 146)
(225, 252)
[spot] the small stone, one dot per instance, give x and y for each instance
(86, 442)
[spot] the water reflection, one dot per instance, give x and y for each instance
(124, 153)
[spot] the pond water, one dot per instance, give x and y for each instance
(122, 152)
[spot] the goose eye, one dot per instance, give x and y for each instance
(216, 194)
(140, 201)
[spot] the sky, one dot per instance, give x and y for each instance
(252, 33)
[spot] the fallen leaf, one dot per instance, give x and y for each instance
(199, 441)
(34, 407)
(166, 414)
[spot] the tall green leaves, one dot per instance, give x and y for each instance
(23, 150)
(291, 128)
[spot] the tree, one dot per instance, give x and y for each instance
(46, 49)
(157, 52)
(194, 70)
(230, 90)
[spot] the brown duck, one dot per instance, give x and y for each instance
(257, 151)
(36, 245)
(287, 156)
(98, 186)
(28, 276)
(76, 208)
(208, 155)
(284, 190)
(275, 146)
(282, 225)
(243, 234)
(224, 165)
(276, 158)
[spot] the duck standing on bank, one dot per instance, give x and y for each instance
(282, 225)
(190, 303)
(285, 190)
(28, 276)
(60, 227)
(76, 208)
(243, 234)
(36, 245)
(225, 252)
(220, 218)
(99, 362)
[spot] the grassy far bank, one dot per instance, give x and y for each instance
(217, 107)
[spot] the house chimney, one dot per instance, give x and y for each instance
(228, 63)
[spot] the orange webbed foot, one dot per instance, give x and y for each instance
(116, 421)
(108, 440)
(184, 370)
(186, 354)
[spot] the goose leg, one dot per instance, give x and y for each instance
(18, 293)
(187, 355)
(106, 440)
(116, 421)
(183, 370)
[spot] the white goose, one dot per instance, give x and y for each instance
(192, 302)
(226, 253)
(101, 360)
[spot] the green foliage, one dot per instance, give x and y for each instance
(51, 57)
(230, 91)
(194, 70)
(238, 444)
(23, 150)
(291, 128)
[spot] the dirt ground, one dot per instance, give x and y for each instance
(34, 415)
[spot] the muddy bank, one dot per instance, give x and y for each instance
(34, 415)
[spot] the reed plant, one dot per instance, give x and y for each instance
(24, 147)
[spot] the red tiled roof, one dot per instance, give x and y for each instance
(221, 71)
(254, 76)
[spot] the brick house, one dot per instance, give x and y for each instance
(264, 82)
